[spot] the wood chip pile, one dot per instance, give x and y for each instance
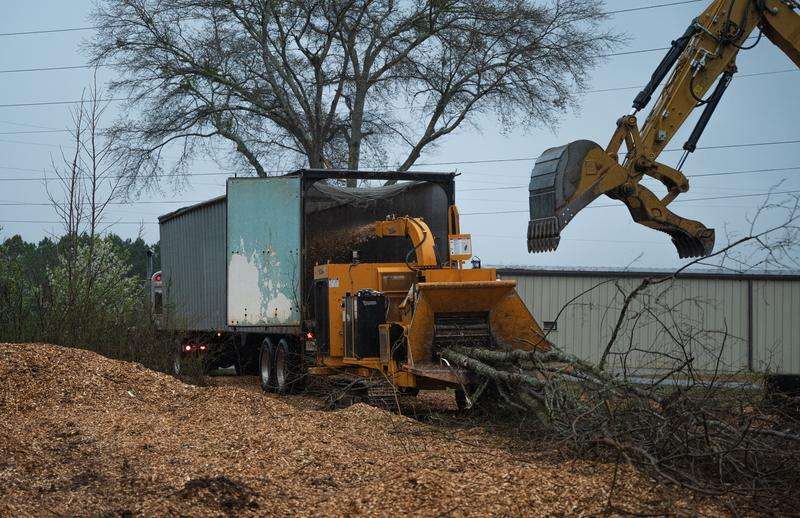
(81, 434)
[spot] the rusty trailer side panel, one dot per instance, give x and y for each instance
(193, 266)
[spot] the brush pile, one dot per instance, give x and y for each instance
(713, 437)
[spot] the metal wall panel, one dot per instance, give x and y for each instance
(776, 326)
(706, 317)
(193, 266)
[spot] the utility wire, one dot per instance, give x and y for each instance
(78, 67)
(646, 7)
(56, 221)
(602, 90)
(502, 160)
(135, 202)
(740, 76)
(167, 175)
(699, 175)
(48, 31)
(28, 125)
(54, 103)
(706, 198)
(47, 69)
(32, 132)
(224, 173)
(143, 222)
(669, 150)
(93, 27)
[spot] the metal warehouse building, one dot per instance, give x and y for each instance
(725, 322)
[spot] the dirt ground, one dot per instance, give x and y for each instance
(81, 434)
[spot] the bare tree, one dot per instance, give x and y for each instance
(88, 181)
(98, 161)
(68, 204)
(336, 83)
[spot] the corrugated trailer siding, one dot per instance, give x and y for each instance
(709, 313)
(776, 327)
(193, 266)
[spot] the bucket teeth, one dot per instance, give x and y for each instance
(688, 245)
(543, 235)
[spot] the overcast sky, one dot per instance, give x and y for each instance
(763, 108)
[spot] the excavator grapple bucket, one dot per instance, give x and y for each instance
(554, 191)
(568, 178)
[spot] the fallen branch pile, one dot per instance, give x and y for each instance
(715, 438)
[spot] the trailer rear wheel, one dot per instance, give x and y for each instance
(283, 368)
(177, 357)
(266, 364)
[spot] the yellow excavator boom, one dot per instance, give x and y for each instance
(568, 178)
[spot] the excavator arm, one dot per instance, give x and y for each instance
(568, 178)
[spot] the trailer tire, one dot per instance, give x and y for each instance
(284, 371)
(177, 357)
(266, 365)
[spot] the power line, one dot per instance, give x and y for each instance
(646, 7)
(56, 221)
(93, 27)
(741, 76)
(32, 132)
(163, 202)
(142, 222)
(74, 67)
(509, 187)
(707, 198)
(27, 125)
(47, 69)
(85, 66)
(167, 175)
(135, 202)
(699, 175)
(48, 31)
(79, 67)
(502, 160)
(529, 159)
(602, 90)
(53, 103)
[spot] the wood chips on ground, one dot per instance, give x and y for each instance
(81, 434)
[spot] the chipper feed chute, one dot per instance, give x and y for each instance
(486, 314)
(568, 178)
